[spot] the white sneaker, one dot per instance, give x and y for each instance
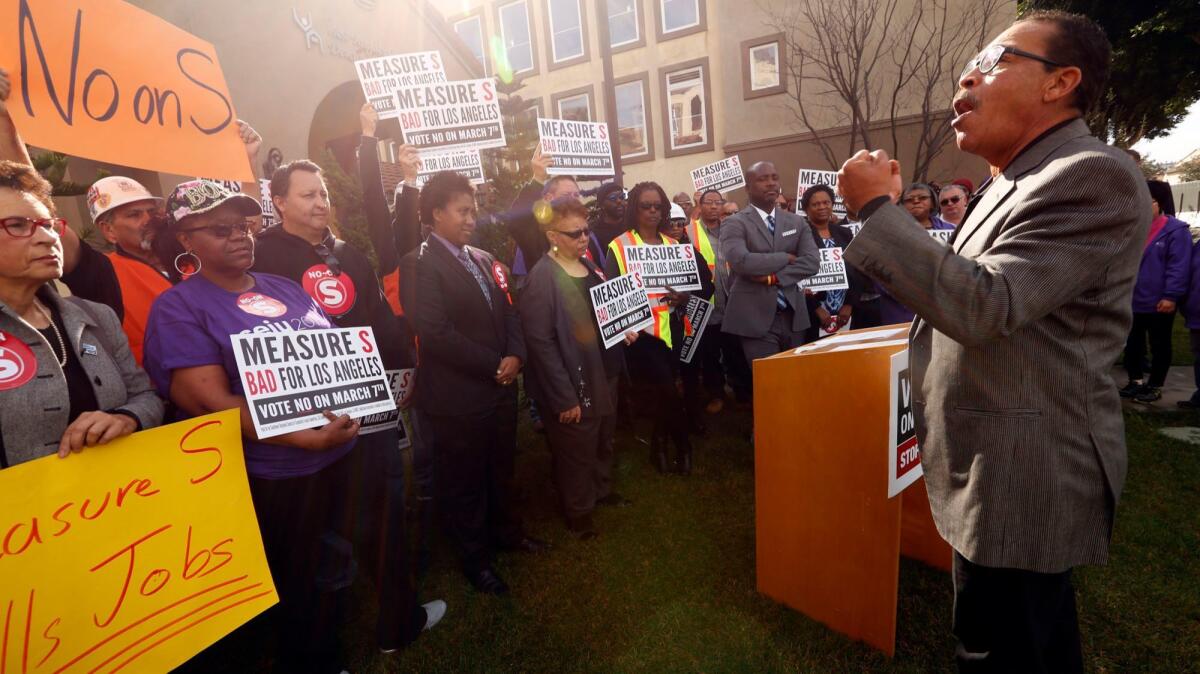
(434, 612)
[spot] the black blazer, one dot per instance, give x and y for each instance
(460, 339)
(858, 282)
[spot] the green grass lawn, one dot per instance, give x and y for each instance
(669, 584)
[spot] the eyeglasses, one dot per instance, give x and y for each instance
(327, 256)
(23, 228)
(574, 234)
(224, 230)
(615, 196)
(712, 202)
(989, 58)
(916, 199)
(650, 206)
(950, 200)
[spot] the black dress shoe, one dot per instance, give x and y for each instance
(527, 544)
(486, 580)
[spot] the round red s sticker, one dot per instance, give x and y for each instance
(17, 362)
(259, 304)
(335, 294)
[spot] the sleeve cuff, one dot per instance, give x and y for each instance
(871, 206)
(131, 415)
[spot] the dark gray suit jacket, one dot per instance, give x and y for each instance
(1019, 323)
(751, 250)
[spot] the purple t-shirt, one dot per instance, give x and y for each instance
(190, 325)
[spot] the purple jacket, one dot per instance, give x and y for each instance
(1166, 267)
(1191, 307)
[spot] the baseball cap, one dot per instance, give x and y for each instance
(677, 212)
(201, 196)
(108, 193)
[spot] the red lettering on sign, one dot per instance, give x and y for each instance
(202, 450)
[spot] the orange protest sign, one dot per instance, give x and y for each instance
(105, 80)
(133, 556)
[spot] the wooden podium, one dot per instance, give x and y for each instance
(829, 539)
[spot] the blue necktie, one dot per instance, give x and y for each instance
(780, 298)
(475, 271)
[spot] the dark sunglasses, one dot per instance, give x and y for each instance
(650, 206)
(23, 228)
(576, 233)
(328, 258)
(950, 200)
(224, 230)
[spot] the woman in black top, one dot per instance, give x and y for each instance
(569, 373)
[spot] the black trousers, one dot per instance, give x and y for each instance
(381, 540)
(582, 455)
(1158, 328)
(1012, 620)
(652, 370)
(733, 361)
(474, 457)
(308, 548)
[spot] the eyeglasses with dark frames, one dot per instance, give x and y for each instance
(650, 205)
(989, 58)
(224, 230)
(23, 228)
(574, 234)
(951, 200)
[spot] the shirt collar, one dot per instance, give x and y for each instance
(456, 251)
(763, 214)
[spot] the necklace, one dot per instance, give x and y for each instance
(62, 360)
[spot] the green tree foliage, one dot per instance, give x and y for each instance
(1156, 63)
(1188, 170)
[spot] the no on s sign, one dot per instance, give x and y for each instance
(335, 294)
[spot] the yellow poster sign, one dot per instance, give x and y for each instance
(129, 557)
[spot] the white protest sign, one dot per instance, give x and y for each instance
(810, 177)
(695, 319)
(942, 235)
(904, 455)
(723, 175)
(465, 162)
(451, 114)
(621, 305)
(291, 377)
(268, 206)
(832, 274)
(854, 227)
(381, 77)
(575, 147)
(400, 381)
(668, 265)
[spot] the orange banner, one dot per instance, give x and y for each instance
(105, 80)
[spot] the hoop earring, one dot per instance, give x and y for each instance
(188, 253)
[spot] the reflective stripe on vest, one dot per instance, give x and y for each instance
(700, 240)
(662, 312)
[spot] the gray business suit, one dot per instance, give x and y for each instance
(1018, 324)
(752, 250)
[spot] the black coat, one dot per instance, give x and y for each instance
(858, 283)
(461, 340)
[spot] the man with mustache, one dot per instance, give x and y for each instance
(1018, 323)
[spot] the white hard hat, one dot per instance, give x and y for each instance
(677, 212)
(108, 193)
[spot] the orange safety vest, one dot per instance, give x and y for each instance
(140, 285)
(698, 235)
(658, 307)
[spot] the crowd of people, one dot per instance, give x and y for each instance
(142, 338)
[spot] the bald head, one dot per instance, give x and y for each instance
(762, 184)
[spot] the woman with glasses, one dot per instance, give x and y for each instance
(297, 480)
(919, 200)
(68, 379)
(569, 372)
(652, 363)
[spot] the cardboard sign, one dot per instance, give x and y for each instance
(832, 274)
(942, 235)
(80, 87)
(269, 218)
(668, 265)
(451, 115)
(400, 382)
(381, 77)
(904, 455)
(133, 556)
(810, 177)
(695, 319)
(854, 227)
(466, 163)
(621, 305)
(291, 377)
(576, 148)
(723, 175)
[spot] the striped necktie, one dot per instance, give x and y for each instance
(780, 298)
(478, 274)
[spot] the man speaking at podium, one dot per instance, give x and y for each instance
(1018, 324)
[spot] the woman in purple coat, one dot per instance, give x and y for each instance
(1161, 284)
(1191, 317)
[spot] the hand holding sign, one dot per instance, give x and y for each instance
(410, 163)
(94, 428)
(368, 119)
(339, 431)
(541, 164)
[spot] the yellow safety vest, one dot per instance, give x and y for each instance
(661, 311)
(699, 237)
